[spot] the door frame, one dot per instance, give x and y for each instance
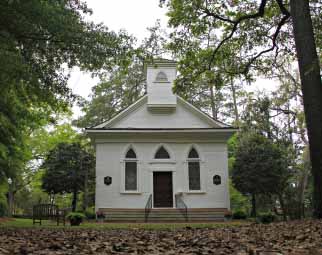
(173, 173)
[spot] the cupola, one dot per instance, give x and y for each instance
(160, 77)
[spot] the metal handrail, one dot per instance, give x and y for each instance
(181, 206)
(148, 208)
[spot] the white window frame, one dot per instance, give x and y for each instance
(199, 160)
(191, 160)
(122, 186)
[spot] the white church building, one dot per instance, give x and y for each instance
(161, 159)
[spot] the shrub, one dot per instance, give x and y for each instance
(239, 215)
(267, 218)
(75, 218)
(3, 208)
(90, 215)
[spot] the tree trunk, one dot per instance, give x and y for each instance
(233, 90)
(253, 212)
(10, 200)
(212, 102)
(281, 199)
(303, 182)
(85, 195)
(74, 202)
(302, 187)
(311, 85)
(289, 123)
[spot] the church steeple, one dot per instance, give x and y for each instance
(160, 77)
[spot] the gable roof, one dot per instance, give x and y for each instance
(143, 100)
(201, 114)
(122, 114)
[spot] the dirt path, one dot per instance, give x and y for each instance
(280, 238)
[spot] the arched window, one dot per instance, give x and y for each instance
(130, 154)
(194, 170)
(161, 77)
(130, 171)
(193, 153)
(162, 153)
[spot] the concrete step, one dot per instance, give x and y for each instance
(163, 215)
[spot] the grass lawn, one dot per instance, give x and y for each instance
(27, 223)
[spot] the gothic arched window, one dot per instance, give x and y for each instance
(130, 171)
(194, 170)
(162, 153)
(130, 154)
(193, 153)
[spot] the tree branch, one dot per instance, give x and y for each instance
(283, 8)
(274, 45)
(259, 13)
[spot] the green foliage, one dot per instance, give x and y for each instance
(239, 215)
(46, 138)
(232, 145)
(28, 180)
(260, 166)
(200, 27)
(238, 201)
(90, 214)
(3, 208)
(67, 167)
(76, 216)
(122, 88)
(252, 38)
(37, 39)
(267, 218)
(27, 223)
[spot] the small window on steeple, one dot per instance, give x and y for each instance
(161, 77)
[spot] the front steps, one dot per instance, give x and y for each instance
(164, 215)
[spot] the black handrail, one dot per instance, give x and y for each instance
(181, 206)
(148, 208)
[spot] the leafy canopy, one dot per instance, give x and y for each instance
(68, 167)
(38, 41)
(260, 166)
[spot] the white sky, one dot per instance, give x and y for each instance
(132, 15)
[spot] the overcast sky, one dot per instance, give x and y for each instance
(134, 16)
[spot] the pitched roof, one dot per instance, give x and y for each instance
(215, 124)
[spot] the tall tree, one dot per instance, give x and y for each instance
(260, 167)
(25, 181)
(262, 31)
(66, 168)
(311, 82)
(38, 40)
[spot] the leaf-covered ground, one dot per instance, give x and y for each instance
(297, 237)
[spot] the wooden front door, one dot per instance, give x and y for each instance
(162, 189)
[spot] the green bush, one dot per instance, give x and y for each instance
(239, 215)
(266, 218)
(76, 215)
(90, 215)
(75, 218)
(3, 208)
